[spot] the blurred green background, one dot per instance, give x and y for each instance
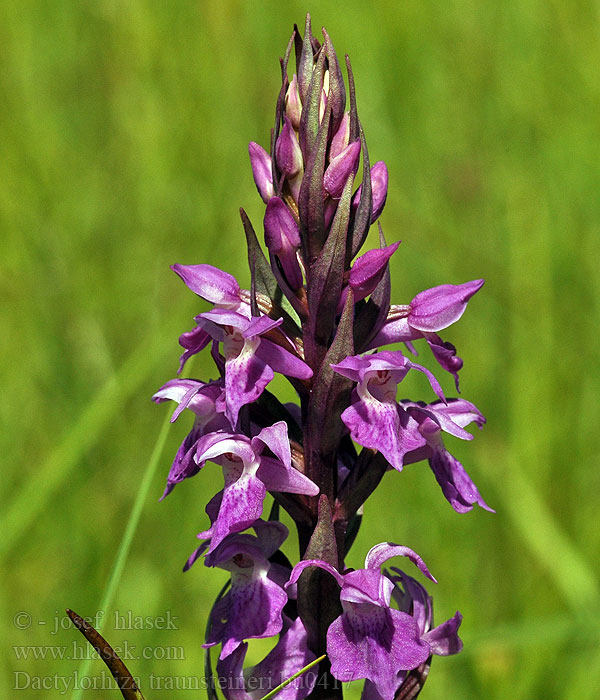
(123, 135)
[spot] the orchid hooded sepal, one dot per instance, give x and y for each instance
(374, 418)
(253, 606)
(290, 655)
(250, 358)
(248, 475)
(431, 419)
(370, 639)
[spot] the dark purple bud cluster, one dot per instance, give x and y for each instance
(317, 312)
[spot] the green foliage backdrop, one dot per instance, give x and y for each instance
(123, 135)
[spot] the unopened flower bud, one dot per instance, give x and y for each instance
(293, 105)
(283, 239)
(287, 151)
(324, 94)
(379, 187)
(341, 137)
(339, 168)
(260, 161)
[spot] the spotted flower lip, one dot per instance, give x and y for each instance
(253, 606)
(248, 474)
(290, 655)
(412, 598)
(370, 639)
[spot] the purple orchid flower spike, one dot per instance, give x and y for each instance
(374, 418)
(248, 474)
(370, 639)
(431, 420)
(290, 655)
(317, 301)
(250, 358)
(253, 605)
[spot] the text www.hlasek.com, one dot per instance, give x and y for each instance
(79, 652)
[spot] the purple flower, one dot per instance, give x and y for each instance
(374, 418)
(248, 475)
(430, 311)
(341, 137)
(431, 420)
(370, 639)
(412, 598)
(250, 358)
(290, 655)
(252, 607)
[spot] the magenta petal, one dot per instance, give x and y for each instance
(282, 360)
(287, 658)
(444, 639)
(246, 376)
(271, 535)
(259, 325)
(252, 609)
(437, 308)
(276, 477)
(378, 426)
(339, 168)
(305, 563)
(287, 150)
(380, 553)
(241, 505)
(396, 331)
(379, 188)
(210, 283)
(275, 437)
(368, 270)
(456, 484)
(375, 646)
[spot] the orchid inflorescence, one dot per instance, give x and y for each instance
(317, 313)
